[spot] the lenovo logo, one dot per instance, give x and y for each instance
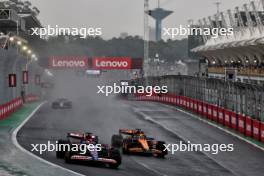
(112, 63)
(68, 62)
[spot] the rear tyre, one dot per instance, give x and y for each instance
(160, 146)
(115, 155)
(60, 154)
(67, 157)
(117, 141)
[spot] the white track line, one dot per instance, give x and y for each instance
(149, 168)
(146, 117)
(215, 125)
(14, 140)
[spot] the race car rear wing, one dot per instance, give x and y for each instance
(130, 132)
(75, 135)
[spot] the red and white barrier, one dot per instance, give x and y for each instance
(227, 117)
(234, 120)
(210, 111)
(215, 113)
(244, 124)
(10, 107)
(241, 123)
(256, 129)
(262, 132)
(248, 126)
(221, 115)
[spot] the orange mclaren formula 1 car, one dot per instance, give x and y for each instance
(136, 142)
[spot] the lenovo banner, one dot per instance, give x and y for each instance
(68, 62)
(112, 63)
(25, 77)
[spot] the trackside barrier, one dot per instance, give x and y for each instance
(248, 126)
(205, 110)
(188, 101)
(191, 104)
(210, 111)
(243, 124)
(195, 106)
(256, 129)
(178, 101)
(221, 112)
(215, 113)
(262, 132)
(10, 107)
(200, 107)
(227, 118)
(234, 120)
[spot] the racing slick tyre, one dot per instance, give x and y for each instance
(115, 155)
(67, 157)
(160, 146)
(117, 141)
(60, 154)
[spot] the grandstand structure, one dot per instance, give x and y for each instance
(239, 57)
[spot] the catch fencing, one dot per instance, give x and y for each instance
(237, 106)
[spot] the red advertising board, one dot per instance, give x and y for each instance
(215, 113)
(200, 108)
(256, 129)
(241, 123)
(221, 115)
(187, 102)
(112, 63)
(68, 62)
(227, 118)
(234, 120)
(262, 132)
(25, 77)
(210, 111)
(191, 104)
(248, 126)
(12, 80)
(204, 109)
(195, 106)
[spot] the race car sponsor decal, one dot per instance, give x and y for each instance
(68, 62)
(112, 63)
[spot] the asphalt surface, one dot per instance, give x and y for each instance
(105, 115)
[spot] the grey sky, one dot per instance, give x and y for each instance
(116, 16)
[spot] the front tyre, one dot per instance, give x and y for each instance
(60, 154)
(67, 157)
(115, 155)
(161, 147)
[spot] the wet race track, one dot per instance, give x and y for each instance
(105, 115)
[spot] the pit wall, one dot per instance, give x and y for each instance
(243, 124)
(10, 107)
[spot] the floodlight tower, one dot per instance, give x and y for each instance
(159, 14)
(146, 38)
